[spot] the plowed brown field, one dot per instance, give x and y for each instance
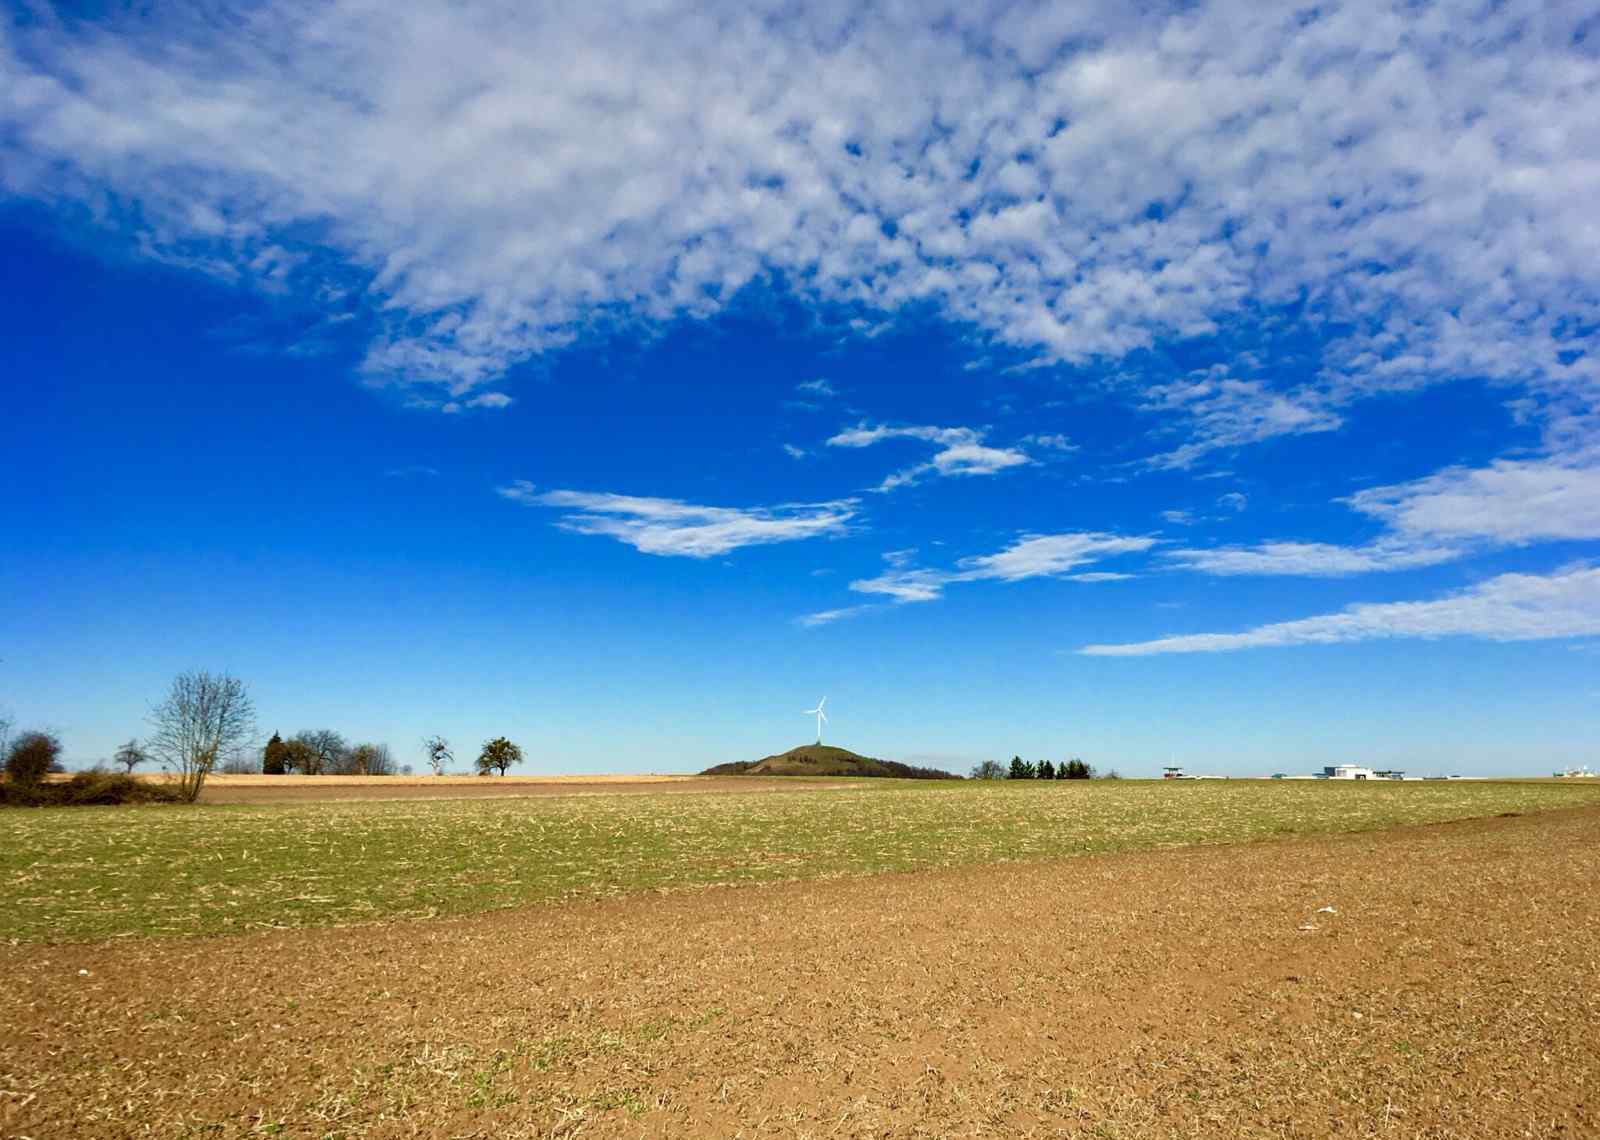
(1453, 991)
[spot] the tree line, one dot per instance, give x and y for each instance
(1021, 769)
(206, 723)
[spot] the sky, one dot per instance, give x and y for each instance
(1207, 382)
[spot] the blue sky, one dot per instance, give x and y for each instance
(1216, 382)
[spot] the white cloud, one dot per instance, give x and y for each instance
(1508, 503)
(1512, 607)
(1054, 442)
(961, 451)
(1221, 412)
(1032, 556)
(1233, 501)
(817, 387)
(1311, 559)
(494, 400)
(828, 617)
(1439, 518)
(794, 452)
(1178, 518)
(670, 527)
(1078, 181)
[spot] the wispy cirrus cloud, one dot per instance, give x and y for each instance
(671, 527)
(828, 617)
(961, 451)
(1439, 518)
(1511, 607)
(1078, 181)
(1218, 412)
(1031, 556)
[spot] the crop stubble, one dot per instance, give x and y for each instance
(85, 873)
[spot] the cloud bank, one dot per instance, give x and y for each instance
(1080, 181)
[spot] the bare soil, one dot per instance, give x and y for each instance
(1452, 990)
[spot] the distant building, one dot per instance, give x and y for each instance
(1172, 772)
(1347, 772)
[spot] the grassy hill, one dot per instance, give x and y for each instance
(825, 760)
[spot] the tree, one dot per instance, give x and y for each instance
(1078, 770)
(1018, 770)
(204, 716)
(130, 756)
(437, 750)
(298, 756)
(327, 751)
(1047, 770)
(988, 770)
(370, 760)
(30, 757)
(1111, 775)
(241, 762)
(274, 760)
(1061, 770)
(498, 755)
(5, 735)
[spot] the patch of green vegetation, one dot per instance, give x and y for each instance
(67, 875)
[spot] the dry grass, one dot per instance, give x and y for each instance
(257, 780)
(87, 873)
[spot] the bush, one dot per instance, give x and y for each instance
(87, 789)
(31, 758)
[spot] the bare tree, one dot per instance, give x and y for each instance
(437, 750)
(130, 756)
(5, 734)
(204, 716)
(370, 760)
(242, 761)
(328, 751)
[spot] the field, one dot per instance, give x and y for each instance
(1116, 960)
(75, 873)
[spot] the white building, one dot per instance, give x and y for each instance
(1347, 772)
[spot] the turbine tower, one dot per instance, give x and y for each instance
(821, 716)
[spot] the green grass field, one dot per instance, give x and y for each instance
(68, 874)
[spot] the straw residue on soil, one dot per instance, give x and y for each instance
(68, 874)
(1449, 992)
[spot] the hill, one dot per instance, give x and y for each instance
(825, 760)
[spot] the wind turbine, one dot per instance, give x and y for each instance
(822, 717)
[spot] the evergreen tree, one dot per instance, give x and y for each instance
(274, 757)
(1019, 770)
(1047, 771)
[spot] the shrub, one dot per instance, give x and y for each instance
(88, 789)
(31, 758)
